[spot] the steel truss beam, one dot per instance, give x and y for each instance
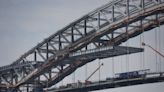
(109, 25)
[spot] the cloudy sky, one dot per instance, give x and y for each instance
(24, 23)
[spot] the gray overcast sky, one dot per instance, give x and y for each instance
(24, 23)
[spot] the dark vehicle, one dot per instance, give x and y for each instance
(62, 86)
(132, 74)
(109, 78)
(88, 82)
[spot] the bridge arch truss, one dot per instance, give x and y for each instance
(61, 53)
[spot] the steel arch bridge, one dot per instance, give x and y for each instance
(96, 35)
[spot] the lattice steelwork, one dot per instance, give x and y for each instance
(109, 25)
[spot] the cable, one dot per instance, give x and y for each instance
(99, 70)
(113, 69)
(127, 58)
(140, 63)
(86, 71)
(159, 45)
(143, 40)
(113, 73)
(156, 61)
(127, 43)
(121, 64)
(86, 65)
(127, 49)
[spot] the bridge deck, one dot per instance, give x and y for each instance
(107, 84)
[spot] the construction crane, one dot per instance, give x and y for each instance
(93, 72)
(143, 44)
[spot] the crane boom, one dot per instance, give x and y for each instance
(153, 49)
(94, 72)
